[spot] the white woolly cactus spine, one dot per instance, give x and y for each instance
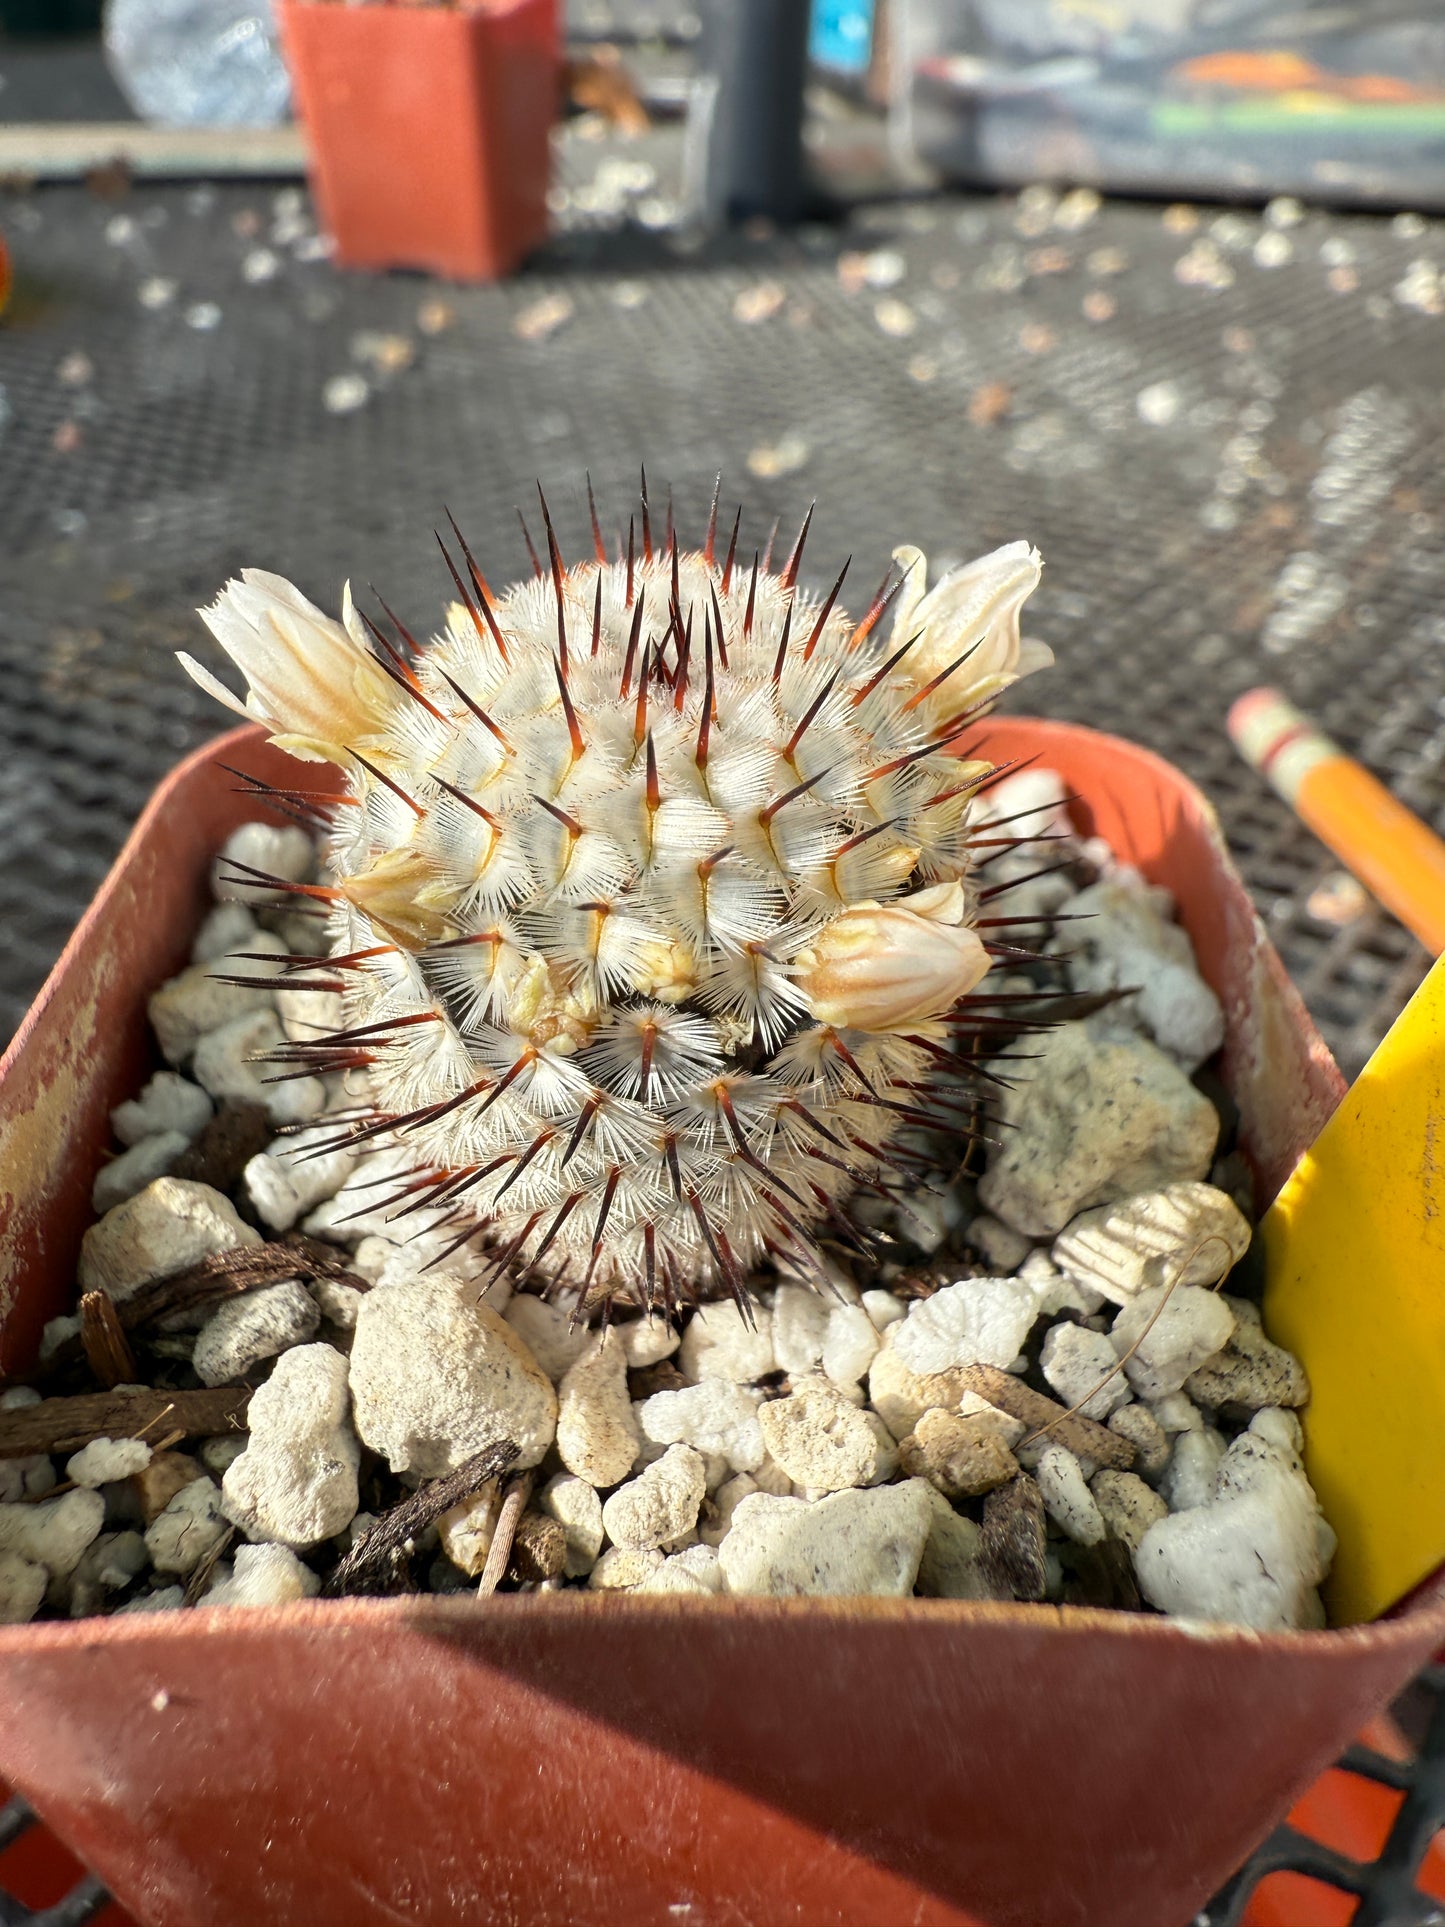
(650, 897)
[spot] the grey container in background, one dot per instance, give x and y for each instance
(754, 57)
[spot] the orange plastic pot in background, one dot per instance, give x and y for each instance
(428, 129)
(643, 1761)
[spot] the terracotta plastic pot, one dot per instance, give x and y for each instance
(428, 128)
(645, 1761)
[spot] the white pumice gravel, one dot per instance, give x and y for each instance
(169, 1226)
(295, 1483)
(280, 850)
(197, 1002)
(105, 1460)
(1188, 1234)
(979, 1321)
(253, 1326)
(1162, 1336)
(436, 1377)
(722, 1342)
(263, 1576)
(829, 1441)
(659, 1504)
(133, 1170)
(189, 1529)
(597, 1436)
(1096, 1120)
(168, 1103)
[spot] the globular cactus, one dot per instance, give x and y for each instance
(650, 894)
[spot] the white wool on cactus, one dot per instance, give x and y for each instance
(650, 896)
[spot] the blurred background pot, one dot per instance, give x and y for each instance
(642, 1760)
(429, 128)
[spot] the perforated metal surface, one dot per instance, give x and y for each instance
(1282, 471)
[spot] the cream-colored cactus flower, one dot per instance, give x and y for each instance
(968, 646)
(313, 680)
(889, 967)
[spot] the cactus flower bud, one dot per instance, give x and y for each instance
(883, 967)
(313, 680)
(972, 613)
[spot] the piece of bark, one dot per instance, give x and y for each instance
(201, 1577)
(1084, 1437)
(66, 1424)
(103, 1340)
(378, 1559)
(1014, 1537)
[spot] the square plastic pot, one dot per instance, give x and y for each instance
(635, 1761)
(428, 128)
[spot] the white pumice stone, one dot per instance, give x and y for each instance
(998, 1243)
(1127, 1505)
(574, 1504)
(226, 926)
(647, 1341)
(188, 1530)
(57, 1332)
(168, 1103)
(722, 1342)
(1251, 1373)
(952, 1566)
(197, 1002)
(818, 1438)
(1152, 1445)
(1075, 1360)
(370, 1257)
(296, 1482)
(217, 1454)
(306, 1014)
(848, 1544)
(597, 1436)
(884, 1308)
(232, 1062)
(1187, 1233)
(1096, 1120)
(169, 1226)
(659, 1504)
(467, 1529)
(1189, 1480)
(1129, 941)
(337, 1303)
(134, 1169)
(165, 1599)
(714, 1417)
(290, 1178)
(1252, 1555)
(27, 1478)
(1177, 1412)
(849, 1343)
(1067, 1498)
(253, 1326)
(22, 1588)
(800, 1325)
(1163, 1335)
(281, 850)
(980, 1321)
(549, 1331)
(107, 1565)
(698, 1569)
(437, 1377)
(105, 1460)
(265, 1575)
(624, 1568)
(55, 1532)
